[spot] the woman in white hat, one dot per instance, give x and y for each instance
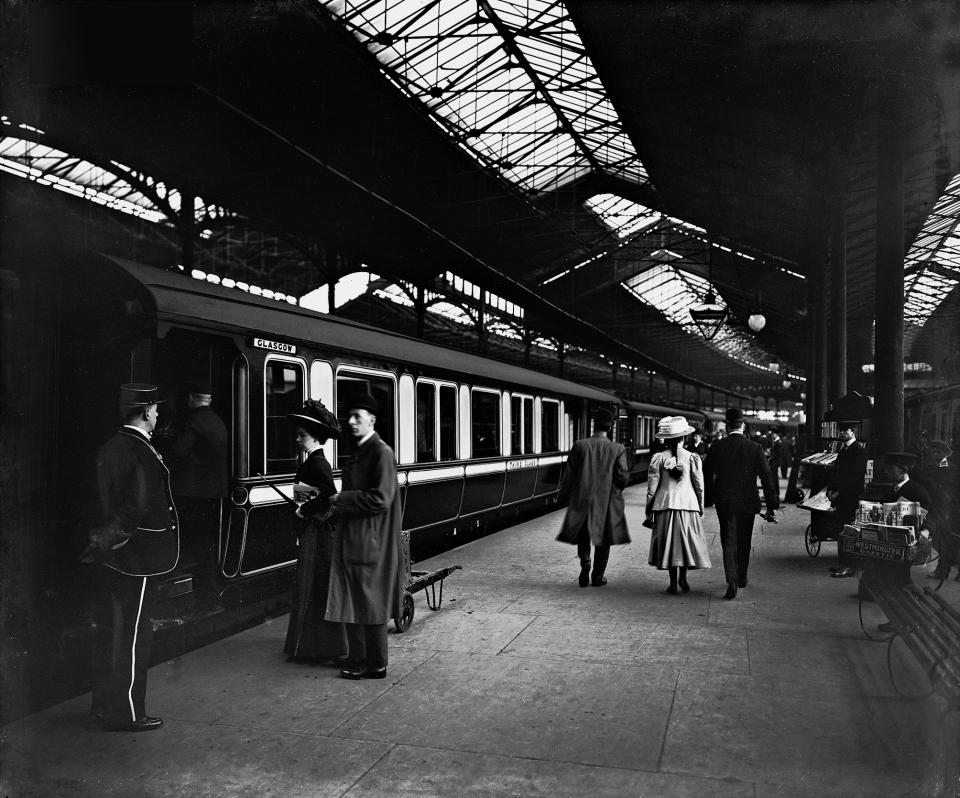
(675, 500)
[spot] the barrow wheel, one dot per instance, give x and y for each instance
(811, 541)
(406, 614)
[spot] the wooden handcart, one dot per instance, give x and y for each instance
(414, 581)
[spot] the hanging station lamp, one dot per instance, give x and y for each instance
(757, 321)
(710, 315)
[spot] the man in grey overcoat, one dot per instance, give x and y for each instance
(365, 589)
(595, 473)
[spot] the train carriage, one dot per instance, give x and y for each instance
(474, 439)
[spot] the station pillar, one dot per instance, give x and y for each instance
(815, 260)
(888, 289)
(838, 294)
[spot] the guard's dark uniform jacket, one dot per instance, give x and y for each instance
(134, 488)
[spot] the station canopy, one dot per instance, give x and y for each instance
(573, 174)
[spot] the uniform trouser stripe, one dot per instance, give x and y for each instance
(133, 650)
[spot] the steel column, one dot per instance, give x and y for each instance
(888, 325)
(838, 296)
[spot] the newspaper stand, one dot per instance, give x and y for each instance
(414, 581)
(887, 532)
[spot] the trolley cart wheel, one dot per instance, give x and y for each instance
(811, 541)
(406, 613)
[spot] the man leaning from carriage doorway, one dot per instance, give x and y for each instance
(595, 474)
(365, 590)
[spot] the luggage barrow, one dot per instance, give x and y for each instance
(418, 580)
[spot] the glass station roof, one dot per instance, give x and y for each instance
(932, 265)
(509, 80)
(674, 291)
(114, 188)
(57, 169)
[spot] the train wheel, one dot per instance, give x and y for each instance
(811, 541)
(406, 614)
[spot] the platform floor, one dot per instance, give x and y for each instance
(525, 684)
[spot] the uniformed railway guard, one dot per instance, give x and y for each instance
(137, 541)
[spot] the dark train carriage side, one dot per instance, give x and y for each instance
(474, 438)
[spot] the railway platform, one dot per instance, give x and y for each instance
(524, 684)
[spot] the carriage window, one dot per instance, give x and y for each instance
(550, 426)
(485, 418)
(381, 388)
(521, 425)
(285, 391)
(448, 422)
(623, 430)
(426, 422)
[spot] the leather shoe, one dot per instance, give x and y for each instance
(843, 573)
(731, 591)
(742, 582)
(684, 586)
(364, 673)
(598, 582)
(672, 590)
(584, 579)
(140, 724)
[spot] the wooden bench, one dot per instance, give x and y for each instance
(930, 629)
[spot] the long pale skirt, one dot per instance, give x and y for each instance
(677, 540)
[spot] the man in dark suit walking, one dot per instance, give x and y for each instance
(731, 472)
(197, 455)
(137, 541)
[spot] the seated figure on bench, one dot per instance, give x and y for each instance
(898, 465)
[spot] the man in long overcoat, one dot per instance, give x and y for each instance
(595, 473)
(137, 541)
(730, 474)
(365, 590)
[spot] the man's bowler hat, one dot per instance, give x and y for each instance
(904, 459)
(200, 388)
(317, 420)
(364, 402)
(603, 418)
(140, 394)
(734, 415)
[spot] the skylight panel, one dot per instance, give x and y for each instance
(620, 215)
(452, 57)
(933, 261)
